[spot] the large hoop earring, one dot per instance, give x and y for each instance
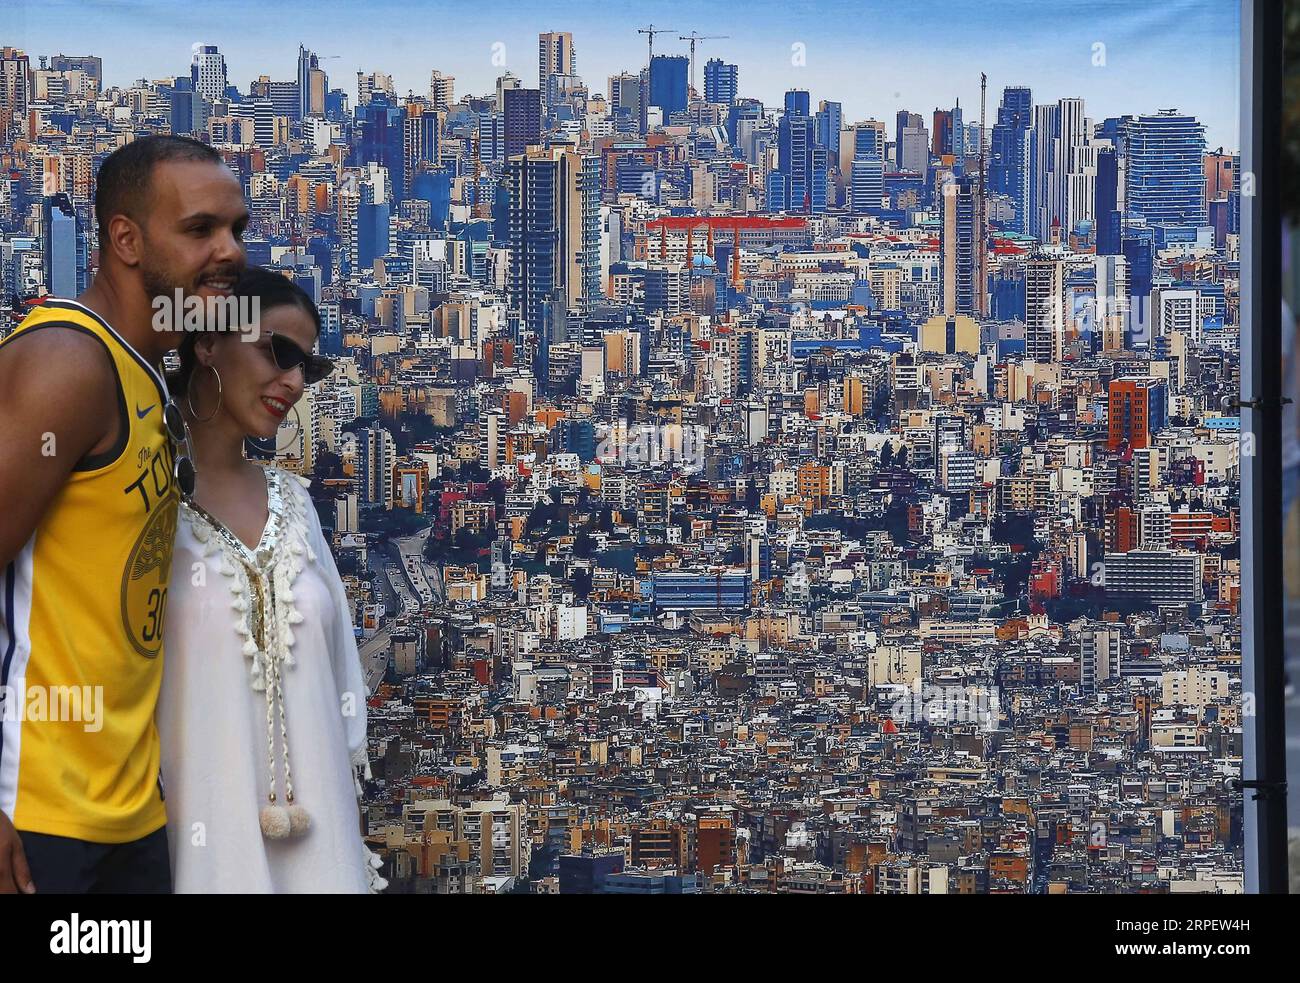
(252, 441)
(189, 399)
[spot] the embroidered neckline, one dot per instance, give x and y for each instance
(270, 531)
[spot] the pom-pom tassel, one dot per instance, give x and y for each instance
(299, 820)
(276, 822)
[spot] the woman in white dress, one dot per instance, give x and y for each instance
(262, 714)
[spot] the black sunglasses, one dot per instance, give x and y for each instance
(288, 355)
(183, 469)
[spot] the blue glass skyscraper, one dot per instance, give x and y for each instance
(1109, 219)
(64, 247)
(721, 81)
(668, 85)
(830, 119)
(1164, 178)
(1009, 152)
(372, 232)
(866, 184)
(797, 103)
(381, 137)
(803, 163)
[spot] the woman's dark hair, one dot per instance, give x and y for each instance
(271, 289)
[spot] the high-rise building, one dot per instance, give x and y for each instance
(914, 150)
(1110, 219)
(92, 65)
(902, 120)
(14, 85)
(830, 117)
(554, 57)
(420, 131)
(1063, 167)
(801, 162)
(1044, 309)
(180, 97)
(1220, 175)
(491, 137)
(958, 140)
(1099, 657)
(961, 271)
(942, 133)
(865, 139)
(625, 94)
(668, 75)
(492, 442)
(1164, 173)
(1155, 576)
(283, 96)
(523, 119)
(378, 455)
(313, 84)
(1009, 153)
(208, 73)
(505, 83)
(553, 229)
(866, 184)
(1112, 302)
(721, 81)
(442, 90)
(63, 246)
(1138, 408)
(372, 84)
(373, 216)
(381, 126)
(798, 103)
(262, 115)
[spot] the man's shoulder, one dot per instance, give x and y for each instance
(57, 343)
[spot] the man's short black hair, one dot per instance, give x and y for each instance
(122, 184)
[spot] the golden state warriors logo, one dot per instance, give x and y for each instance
(145, 578)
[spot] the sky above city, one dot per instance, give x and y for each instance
(876, 57)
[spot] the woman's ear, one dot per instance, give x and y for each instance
(205, 348)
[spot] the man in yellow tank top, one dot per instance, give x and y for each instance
(87, 475)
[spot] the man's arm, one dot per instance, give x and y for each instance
(57, 404)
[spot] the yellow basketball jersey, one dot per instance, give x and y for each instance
(81, 622)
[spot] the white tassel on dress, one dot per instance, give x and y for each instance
(275, 822)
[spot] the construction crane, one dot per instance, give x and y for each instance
(651, 30)
(981, 223)
(692, 38)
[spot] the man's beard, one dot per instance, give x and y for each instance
(159, 281)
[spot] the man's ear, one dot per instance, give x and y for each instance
(125, 239)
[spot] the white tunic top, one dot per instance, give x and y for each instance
(213, 709)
